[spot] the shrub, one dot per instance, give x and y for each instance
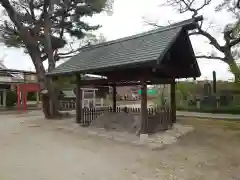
(31, 96)
(11, 98)
(231, 109)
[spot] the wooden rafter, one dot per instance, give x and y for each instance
(106, 82)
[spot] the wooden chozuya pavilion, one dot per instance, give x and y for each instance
(155, 57)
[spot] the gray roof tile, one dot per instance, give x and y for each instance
(144, 47)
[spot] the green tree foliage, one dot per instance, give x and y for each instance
(44, 28)
(65, 82)
(11, 98)
(68, 23)
(186, 89)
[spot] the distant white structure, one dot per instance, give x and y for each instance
(9, 77)
(89, 99)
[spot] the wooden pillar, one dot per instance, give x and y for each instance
(214, 83)
(114, 103)
(18, 98)
(83, 98)
(37, 97)
(78, 99)
(94, 98)
(24, 100)
(1, 97)
(144, 112)
(4, 98)
(173, 102)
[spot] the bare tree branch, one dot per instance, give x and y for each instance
(12, 13)
(152, 24)
(64, 15)
(238, 4)
(70, 52)
(206, 2)
(65, 57)
(31, 7)
(231, 34)
(193, 33)
(210, 57)
(213, 41)
(187, 5)
(22, 5)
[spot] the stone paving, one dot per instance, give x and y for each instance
(33, 148)
(154, 142)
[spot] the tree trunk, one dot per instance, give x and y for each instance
(47, 91)
(53, 95)
(49, 97)
(235, 69)
(42, 80)
(236, 72)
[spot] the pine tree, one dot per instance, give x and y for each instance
(44, 28)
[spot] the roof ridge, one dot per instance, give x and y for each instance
(160, 29)
(127, 38)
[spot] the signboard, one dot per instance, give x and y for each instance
(149, 91)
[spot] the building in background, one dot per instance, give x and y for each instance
(9, 78)
(128, 93)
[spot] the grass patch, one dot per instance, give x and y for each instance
(231, 109)
(210, 123)
(233, 126)
(238, 135)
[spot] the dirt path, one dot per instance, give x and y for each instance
(44, 152)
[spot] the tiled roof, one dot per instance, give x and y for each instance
(133, 50)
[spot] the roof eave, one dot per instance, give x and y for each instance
(194, 24)
(104, 69)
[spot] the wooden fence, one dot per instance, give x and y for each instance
(159, 118)
(68, 105)
(71, 104)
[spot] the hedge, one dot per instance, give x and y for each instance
(232, 109)
(11, 98)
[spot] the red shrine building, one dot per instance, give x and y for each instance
(21, 81)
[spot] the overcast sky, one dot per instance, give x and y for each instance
(128, 18)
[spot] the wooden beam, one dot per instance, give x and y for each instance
(133, 74)
(144, 111)
(106, 82)
(114, 98)
(78, 99)
(173, 102)
(17, 71)
(168, 71)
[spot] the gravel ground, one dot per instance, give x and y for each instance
(32, 148)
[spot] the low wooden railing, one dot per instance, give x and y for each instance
(71, 104)
(158, 118)
(67, 105)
